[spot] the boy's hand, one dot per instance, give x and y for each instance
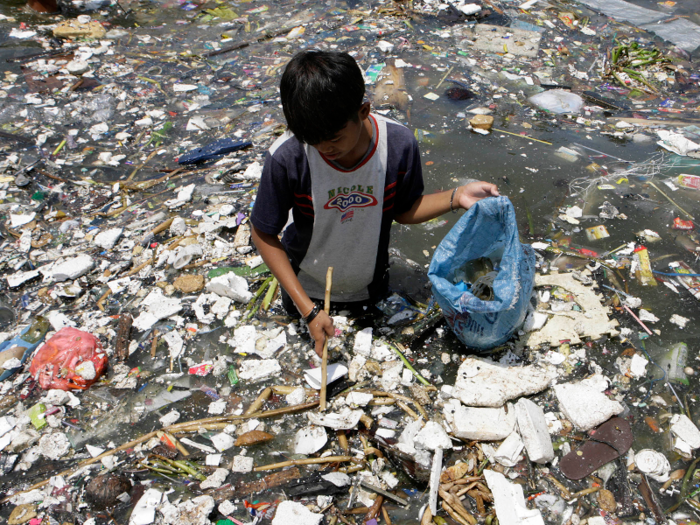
(320, 328)
(467, 195)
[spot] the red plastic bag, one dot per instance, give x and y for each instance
(70, 360)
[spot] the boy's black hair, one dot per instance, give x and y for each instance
(321, 92)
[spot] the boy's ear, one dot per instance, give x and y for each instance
(364, 110)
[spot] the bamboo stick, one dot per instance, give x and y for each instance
(259, 402)
(373, 511)
(142, 165)
(324, 362)
(189, 426)
(385, 514)
(308, 461)
(154, 343)
(453, 514)
(178, 445)
(343, 441)
(179, 427)
(85, 463)
(457, 506)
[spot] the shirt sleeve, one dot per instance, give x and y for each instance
(410, 186)
(273, 201)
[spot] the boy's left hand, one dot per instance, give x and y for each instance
(467, 195)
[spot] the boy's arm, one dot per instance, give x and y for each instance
(272, 252)
(428, 207)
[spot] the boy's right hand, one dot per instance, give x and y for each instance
(320, 328)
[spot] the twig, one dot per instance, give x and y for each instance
(521, 136)
(259, 402)
(444, 77)
(308, 461)
(386, 494)
(324, 362)
(671, 200)
(153, 154)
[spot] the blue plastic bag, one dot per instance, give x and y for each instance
(488, 229)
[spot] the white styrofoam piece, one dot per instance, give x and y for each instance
(334, 371)
(585, 405)
(533, 429)
(509, 501)
(683, 428)
(482, 383)
(482, 424)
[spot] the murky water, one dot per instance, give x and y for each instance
(166, 43)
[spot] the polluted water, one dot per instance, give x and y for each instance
(150, 373)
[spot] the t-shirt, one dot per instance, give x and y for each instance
(341, 217)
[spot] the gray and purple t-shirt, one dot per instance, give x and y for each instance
(341, 217)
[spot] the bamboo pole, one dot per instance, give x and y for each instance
(324, 362)
(309, 461)
(259, 402)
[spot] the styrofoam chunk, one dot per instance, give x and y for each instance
(481, 424)
(432, 437)
(482, 383)
(72, 268)
(291, 512)
(586, 406)
(683, 428)
(509, 501)
(533, 429)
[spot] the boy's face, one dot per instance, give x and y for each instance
(350, 144)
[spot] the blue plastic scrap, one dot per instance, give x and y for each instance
(213, 150)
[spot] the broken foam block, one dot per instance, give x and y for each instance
(533, 429)
(509, 500)
(481, 424)
(482, 383)
(584, 403)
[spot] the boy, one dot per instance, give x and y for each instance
(346, 174)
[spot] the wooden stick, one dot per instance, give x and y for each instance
(457, 506)
(459, 519)
(427, 517)
(402, 398)
(324, 362)
(385, 514)
(142, 165)
(154, 343)
(102, 298)
(309, 461)
(259, 402)
(373, 511)
(384, 493)
(139, 268)
(343, 441)
(189, 425)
